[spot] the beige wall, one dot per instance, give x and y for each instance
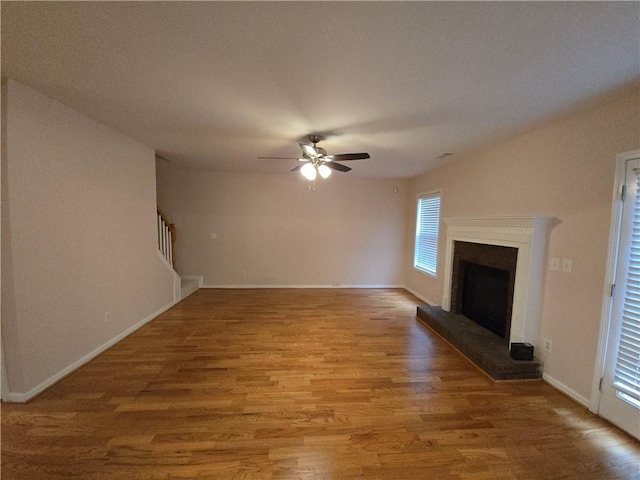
(78, 238)
(281, 233)
(564, 169)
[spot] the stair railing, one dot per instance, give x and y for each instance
(167, 239)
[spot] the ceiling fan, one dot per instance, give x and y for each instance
(315, 161)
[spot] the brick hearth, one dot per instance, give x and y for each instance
(484, 348)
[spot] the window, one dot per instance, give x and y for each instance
(427, 223)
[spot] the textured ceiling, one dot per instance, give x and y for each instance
(213, 85)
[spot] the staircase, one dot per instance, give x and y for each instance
(183, 286)
(167, 239)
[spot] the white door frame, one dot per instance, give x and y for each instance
(610, 276)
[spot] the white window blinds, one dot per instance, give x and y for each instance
(627, 371)
(427, 225)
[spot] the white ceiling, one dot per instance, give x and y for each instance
(213, 85)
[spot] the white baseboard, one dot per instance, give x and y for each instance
(300, 286)
(572, 394)
(424, 299)
(20, 397)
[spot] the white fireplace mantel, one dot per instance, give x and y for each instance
(529, 236)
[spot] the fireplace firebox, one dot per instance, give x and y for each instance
(483, 282)
(485, 293)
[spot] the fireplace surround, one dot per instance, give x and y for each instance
(526, 234)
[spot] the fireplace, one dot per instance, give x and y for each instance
(483, 281)
(525, 238)
(499, 257)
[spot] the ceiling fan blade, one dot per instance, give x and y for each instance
(298, 167)
(337, 166)
(278, 158)
(308, 150)
(341, 157)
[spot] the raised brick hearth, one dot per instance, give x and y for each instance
(484, 348)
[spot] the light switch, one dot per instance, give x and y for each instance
(567, 265)
(554, 264)
(213, 236)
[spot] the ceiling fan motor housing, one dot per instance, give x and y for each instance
(314, 138)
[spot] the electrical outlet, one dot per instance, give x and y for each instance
(373, 273)
(567, 265)
(336, 283)
(107, 317)
(213, 236)
(244, 273)
(554, 264)
(547, 345)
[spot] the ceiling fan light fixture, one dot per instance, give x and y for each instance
(308, 171)
(324, 171)
(316, 161)
(308, 150)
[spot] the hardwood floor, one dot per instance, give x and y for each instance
(302, 384)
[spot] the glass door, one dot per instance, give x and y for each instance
(620, 398)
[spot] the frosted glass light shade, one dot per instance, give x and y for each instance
(308, 171)
(324, 171)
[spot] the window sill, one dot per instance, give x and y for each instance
(426, 272)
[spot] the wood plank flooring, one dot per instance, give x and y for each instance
(302, 384)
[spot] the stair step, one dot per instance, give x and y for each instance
(188, 286)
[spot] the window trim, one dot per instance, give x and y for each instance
(421, 268)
